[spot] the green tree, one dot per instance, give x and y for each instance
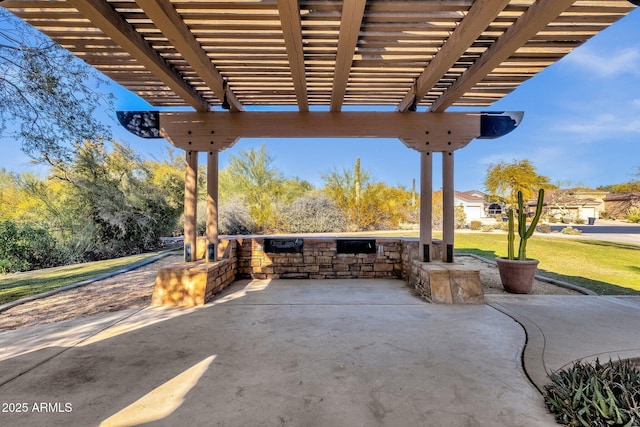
(367, 204)
(504, 180)
(23, 247)
(345, 189)
(117, 197)
(48, 97)
(263, 188)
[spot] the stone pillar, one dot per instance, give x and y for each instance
(190, 206)
(212, 207)
(448, 208)
(426, 205)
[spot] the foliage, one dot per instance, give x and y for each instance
(633, 215)
(264, 188)
(313, 213)
(595, 395)
(523, 231)
(475, 225)
(367, 204)
(626, 187)
(47, 103)
(234, 218)
(101, 204)
(571, 231)
(459, 217)
(345, 189)
(544, 228)
(115, 191)
(25, 248)
(504, 180)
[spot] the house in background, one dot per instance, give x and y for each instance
(473, 203)
(573, 204)
(618, 205)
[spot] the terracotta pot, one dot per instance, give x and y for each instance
(517, 276)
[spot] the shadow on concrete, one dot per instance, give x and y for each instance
(350, 352)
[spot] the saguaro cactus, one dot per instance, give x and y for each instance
(523, 231)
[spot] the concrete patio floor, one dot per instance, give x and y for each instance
(309, 353)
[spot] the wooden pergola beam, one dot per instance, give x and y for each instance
(167, 20)
(535, 19)
(103, 16)
(292, 32)
(350, 23)
(422, 132)
(479, 17)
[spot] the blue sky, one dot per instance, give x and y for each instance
(581, 126)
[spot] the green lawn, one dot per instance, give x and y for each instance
(20, 285)
(607, 268)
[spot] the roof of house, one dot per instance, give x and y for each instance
(470, 196)
(622, 196)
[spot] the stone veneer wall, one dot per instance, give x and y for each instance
(319, 260)
(194, 283)
(189, 284)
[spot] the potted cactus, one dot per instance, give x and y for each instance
(518, 272)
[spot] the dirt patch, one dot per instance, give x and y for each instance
(134, 290)
(121, 292)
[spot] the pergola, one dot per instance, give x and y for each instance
(288, 68)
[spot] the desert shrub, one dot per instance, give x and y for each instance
(605, 215)
(544, 228)
(580, 221)
(633, 215)
(475, 225)
(487, 228)
(313, 213)
(234, 218)
(595, 395)
(460, 217)
(571, 231)
(24, 247)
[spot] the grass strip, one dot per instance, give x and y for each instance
(20, 285)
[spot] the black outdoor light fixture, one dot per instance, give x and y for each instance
(225, 103)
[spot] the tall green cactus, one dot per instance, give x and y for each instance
(523, 231)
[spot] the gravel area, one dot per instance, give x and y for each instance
(134, 290)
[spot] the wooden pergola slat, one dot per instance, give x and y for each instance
(439, 53)
(165, 17)
(113, 25)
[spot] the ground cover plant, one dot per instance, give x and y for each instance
(595, 395)
(21, 285)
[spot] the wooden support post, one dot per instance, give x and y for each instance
(426, 205)
(448, 208)
(190, 206)
(212, 206)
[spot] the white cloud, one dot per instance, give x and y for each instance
(605, 64)
(599, 126)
